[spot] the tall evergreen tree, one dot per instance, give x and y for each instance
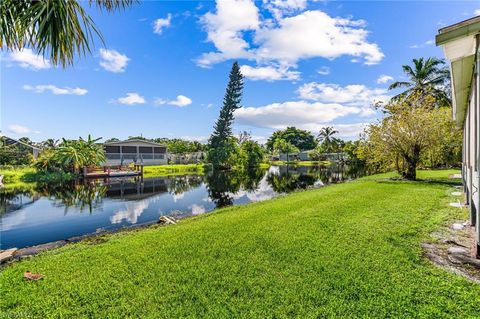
(221, 143)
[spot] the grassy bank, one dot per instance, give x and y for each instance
(347, 250)
(174, 169)
(19, 176)
(22, 176)
(301, 163)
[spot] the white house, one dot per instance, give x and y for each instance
(461, 44)
(135, 151)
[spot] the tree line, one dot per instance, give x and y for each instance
(415, 130)
(417, 127)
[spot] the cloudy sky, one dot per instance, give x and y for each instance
(164, 68)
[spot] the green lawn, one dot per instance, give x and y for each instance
(27, 176)
(301, 163)
(22, 176)
(173, 169)
(347, 250)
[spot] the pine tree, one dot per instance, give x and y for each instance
(221, 144)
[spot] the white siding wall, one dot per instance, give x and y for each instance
(471, 149)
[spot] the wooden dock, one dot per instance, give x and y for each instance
(113, 171)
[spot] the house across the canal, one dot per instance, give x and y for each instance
(135, 151)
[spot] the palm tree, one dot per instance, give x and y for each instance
(57, 29)
(326, 135)
(283, 146)
(50, 143)
(425, 77)
(75, 155)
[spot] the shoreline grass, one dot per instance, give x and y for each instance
(22, 176)
(27, 176)
(346, 250)
(173, 169)
(301, 163)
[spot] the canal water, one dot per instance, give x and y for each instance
(48, 212)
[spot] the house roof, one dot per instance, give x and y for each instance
(460, 47)
(132, 141)
(10, 141)
(458, 30)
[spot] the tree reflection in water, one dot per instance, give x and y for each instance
(222, 186)
(178, 185)
(86, 194)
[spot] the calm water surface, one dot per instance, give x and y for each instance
(46, 213)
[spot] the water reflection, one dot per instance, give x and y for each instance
(48, 212)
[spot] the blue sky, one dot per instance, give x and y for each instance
(164, 68)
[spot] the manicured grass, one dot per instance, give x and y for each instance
(301, 163)
(346, 251)
(25, 176)
(22, 176)
(174, 169)
(15, 174)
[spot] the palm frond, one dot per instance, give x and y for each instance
(111, 5)
(59, 30)
(399, 84)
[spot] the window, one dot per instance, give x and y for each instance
(145, 149)
(159, 150)
(112, 149)
(129, 149)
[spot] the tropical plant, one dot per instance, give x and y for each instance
(303, 140)
(253, 153)
(283, 146)
(226, 156)
(329, 143)
(46, 161)
(72, 155)
(49, 143)
(326, 134)
(56, 29)
(221, 144)
(406, 135)
(425, 77)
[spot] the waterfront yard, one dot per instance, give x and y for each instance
(347, 250)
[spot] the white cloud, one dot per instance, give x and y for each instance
(310, 34)
(113, 61)
(422, 45)
(198, 138)
(180, 101)
(197, 209)
(20, 129)
(132, 211)
(315, 34)
(130, 99)
(476, 12)
(382, 79)
(55, 90)
(225, 30)
(269, 73)
(27, 59)
(324, 70)
(280, 8)
(356, 94)
(162, 23)
(298, 113)
(347, 131)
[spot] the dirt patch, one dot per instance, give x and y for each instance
(453, 249)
